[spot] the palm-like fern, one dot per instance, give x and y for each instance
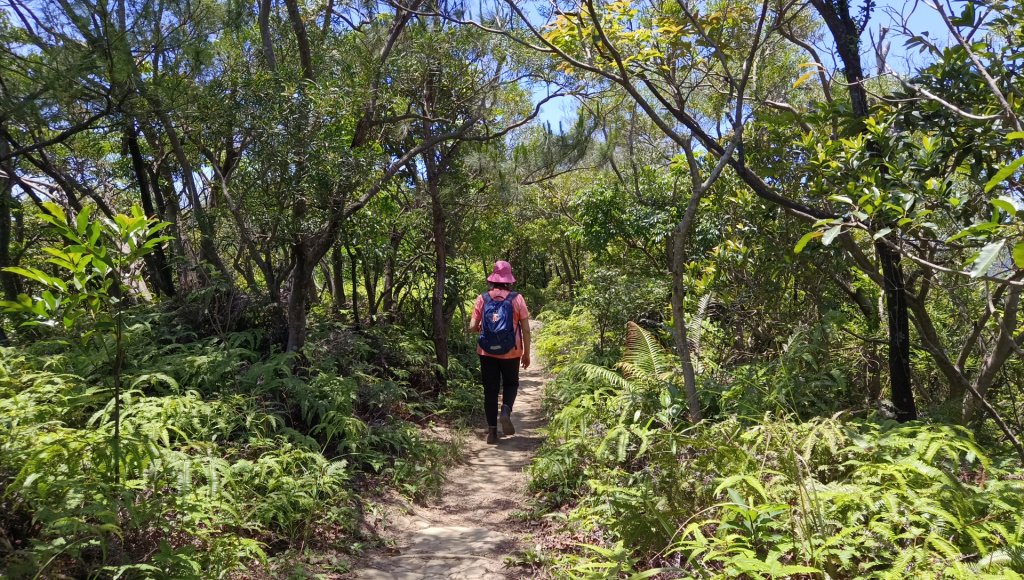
(645, 362)
(645, 359)
(695, 330)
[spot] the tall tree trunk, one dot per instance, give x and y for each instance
(677, 267)
(370, 286)
(8, 281)
(388, 294)
(307, 252)
(265, 36)
(162, 180)
(301, 286)
(157, 262)
(305, 249)
(207, 246)
(439, 322)
(338, 278)
(679, 331)
(899, 332)
(158, 196)
(354, 276)
(301, 38)
(387, 304)
(568, 277)
(314, 247)
(328, 15)
(574, 260)
(993, 363)
(846, 33)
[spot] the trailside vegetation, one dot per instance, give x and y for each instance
(829, 385)
(641, 492)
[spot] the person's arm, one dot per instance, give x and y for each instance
(525, 325)
(476, 317)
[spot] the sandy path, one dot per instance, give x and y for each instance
(468, 531)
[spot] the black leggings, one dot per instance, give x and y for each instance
(498, 372)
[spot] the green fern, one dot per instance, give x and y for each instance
(645, 359)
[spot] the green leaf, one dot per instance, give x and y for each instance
(1015, 135)
(831, 234)
(56, 211)
(1004, 203)
(728, 483)
(30, 480)
(986, 257)
(82, 221)
(649, 573)
(799, 247)
(35, 274)
(1018, 254)
(94, 234)
(1003, 173)
(793, 569)
(881, 233)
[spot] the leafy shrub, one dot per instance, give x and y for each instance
(614, 298)
(804, 379)
(463, 401)
(228, 455)
(58, 469)
(564, 341)
(834, 496)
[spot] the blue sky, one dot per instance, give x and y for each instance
(919, 17)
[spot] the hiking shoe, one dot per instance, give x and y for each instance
(507, 428)
(492, 436)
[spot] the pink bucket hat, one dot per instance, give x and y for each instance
(502, 273)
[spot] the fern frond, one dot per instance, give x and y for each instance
(600, 374)
(645, 358)
(695, 329)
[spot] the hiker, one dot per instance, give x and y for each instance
(503, 321)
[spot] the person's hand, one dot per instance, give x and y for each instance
(526, 361)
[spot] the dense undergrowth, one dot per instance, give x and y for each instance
(639, 491)
(233, 463)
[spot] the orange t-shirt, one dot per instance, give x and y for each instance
(519, 314)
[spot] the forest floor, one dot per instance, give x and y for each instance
(476, 522)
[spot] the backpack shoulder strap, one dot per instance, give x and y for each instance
(511, 296)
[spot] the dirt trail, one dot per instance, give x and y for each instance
(467, 532)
